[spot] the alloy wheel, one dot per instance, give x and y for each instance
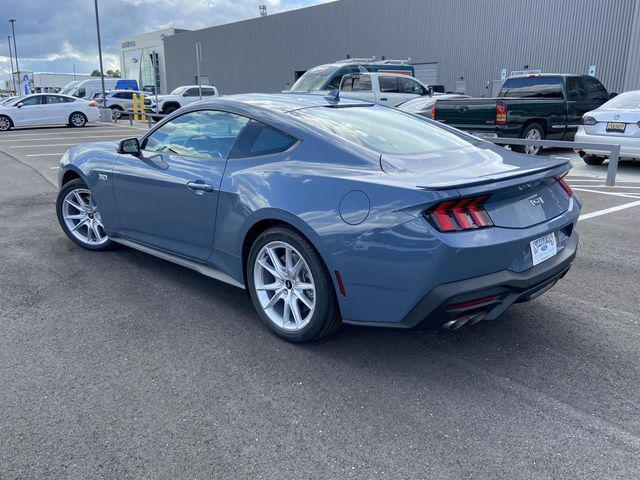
(533, 134)
(82, 218)
(284, 286)
(77, 119)
(5, 124)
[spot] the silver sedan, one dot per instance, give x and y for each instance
(616, 122)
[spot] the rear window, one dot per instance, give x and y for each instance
(533, 87)
(624, 101)
(381, 129)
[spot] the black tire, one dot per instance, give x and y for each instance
(68, 187)
(80, 122)
(593, 160)
(170, 109)
(326, 317)
(116, 111)
(534, 129)
(5, 123)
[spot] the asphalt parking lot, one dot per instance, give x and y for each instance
(121, 365)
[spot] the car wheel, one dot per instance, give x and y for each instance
(170, 109)
(116, 112)
(290, 287)
(80, 218)
(593, 160)
(77, 119)
(533, 131)
(5, 123)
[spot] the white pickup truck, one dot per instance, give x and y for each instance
(389, 89)
(182, 96)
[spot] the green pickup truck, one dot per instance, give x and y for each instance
(543, 106)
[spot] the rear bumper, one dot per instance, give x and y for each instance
(629, 146)
(487, 295)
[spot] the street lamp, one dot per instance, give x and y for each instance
(99, 48)
(15, 50)
(13, 78)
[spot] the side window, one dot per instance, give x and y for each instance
(532, 87)
(208, 92)
(334, 83)
(81, 93)
(127, 95)
(260, 139)
(388, 84)
(595, 90)
(409, 85)
(67, 99)
(207, 134)
(192, 92)
(360, 83)
(54, 99)
(35, 100)
(575, 89)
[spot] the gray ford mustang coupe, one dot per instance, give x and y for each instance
(330, 210)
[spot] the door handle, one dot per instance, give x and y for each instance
(384, 99)
(200, 186)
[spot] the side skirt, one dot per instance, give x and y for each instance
(197, 266)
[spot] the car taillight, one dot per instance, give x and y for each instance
(456, 215)
(501, 113)
(586, 120)
(92, 103)
(433, 112)
(565, 186)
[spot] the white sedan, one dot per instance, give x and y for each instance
(616, 122)
(47, 109)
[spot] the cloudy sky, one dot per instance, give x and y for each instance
(54, 35)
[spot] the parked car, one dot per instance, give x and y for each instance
(181, 97)
(389, 89)
(121, 101)
(328, 77)
(537, 107)
(616, 122)
(424, 105)
(47, 109)
(365, 214)
(91, 86)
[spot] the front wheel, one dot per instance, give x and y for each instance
(290, 287)
(77, 119)
(5, 123)
(80, 218)
(533, 131)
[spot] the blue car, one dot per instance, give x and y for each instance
(330, 210)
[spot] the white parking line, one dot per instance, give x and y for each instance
(65, 138)
(54, 168)
(605, 186)
(45, 154)
(609, 210)
(613, 194)
(46, 145)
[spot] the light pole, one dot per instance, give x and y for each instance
(15, 50)
(74, 72)
(13, 78)
(99, 48)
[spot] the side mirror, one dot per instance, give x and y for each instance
(613, 94)
(129, 146)
(20, 105)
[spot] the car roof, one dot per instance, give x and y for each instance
(281, 102)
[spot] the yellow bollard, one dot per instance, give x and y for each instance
(135, 106)
(142, 111)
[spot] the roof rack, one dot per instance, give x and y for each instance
(373, 60)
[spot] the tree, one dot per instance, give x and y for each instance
(95, 73)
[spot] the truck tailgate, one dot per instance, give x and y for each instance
(467, 113)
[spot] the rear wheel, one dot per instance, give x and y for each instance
(533, 131)
(80, 217)
(169, 109)
(593, 160)
(77, 119)
(5, 123)
(290, 287)
(116, 111)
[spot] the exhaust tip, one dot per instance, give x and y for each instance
(465, 320)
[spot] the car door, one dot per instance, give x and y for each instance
(30, 112)
(358, 87)
(410, 88)
(389, 91)
(57, 110)
(168, 195)
(580, 101)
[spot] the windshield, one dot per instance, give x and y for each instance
(382, 129)
(178, 91)
(624, 101)
(314, 79)
(12, 101)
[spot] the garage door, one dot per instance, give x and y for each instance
(427, 73)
